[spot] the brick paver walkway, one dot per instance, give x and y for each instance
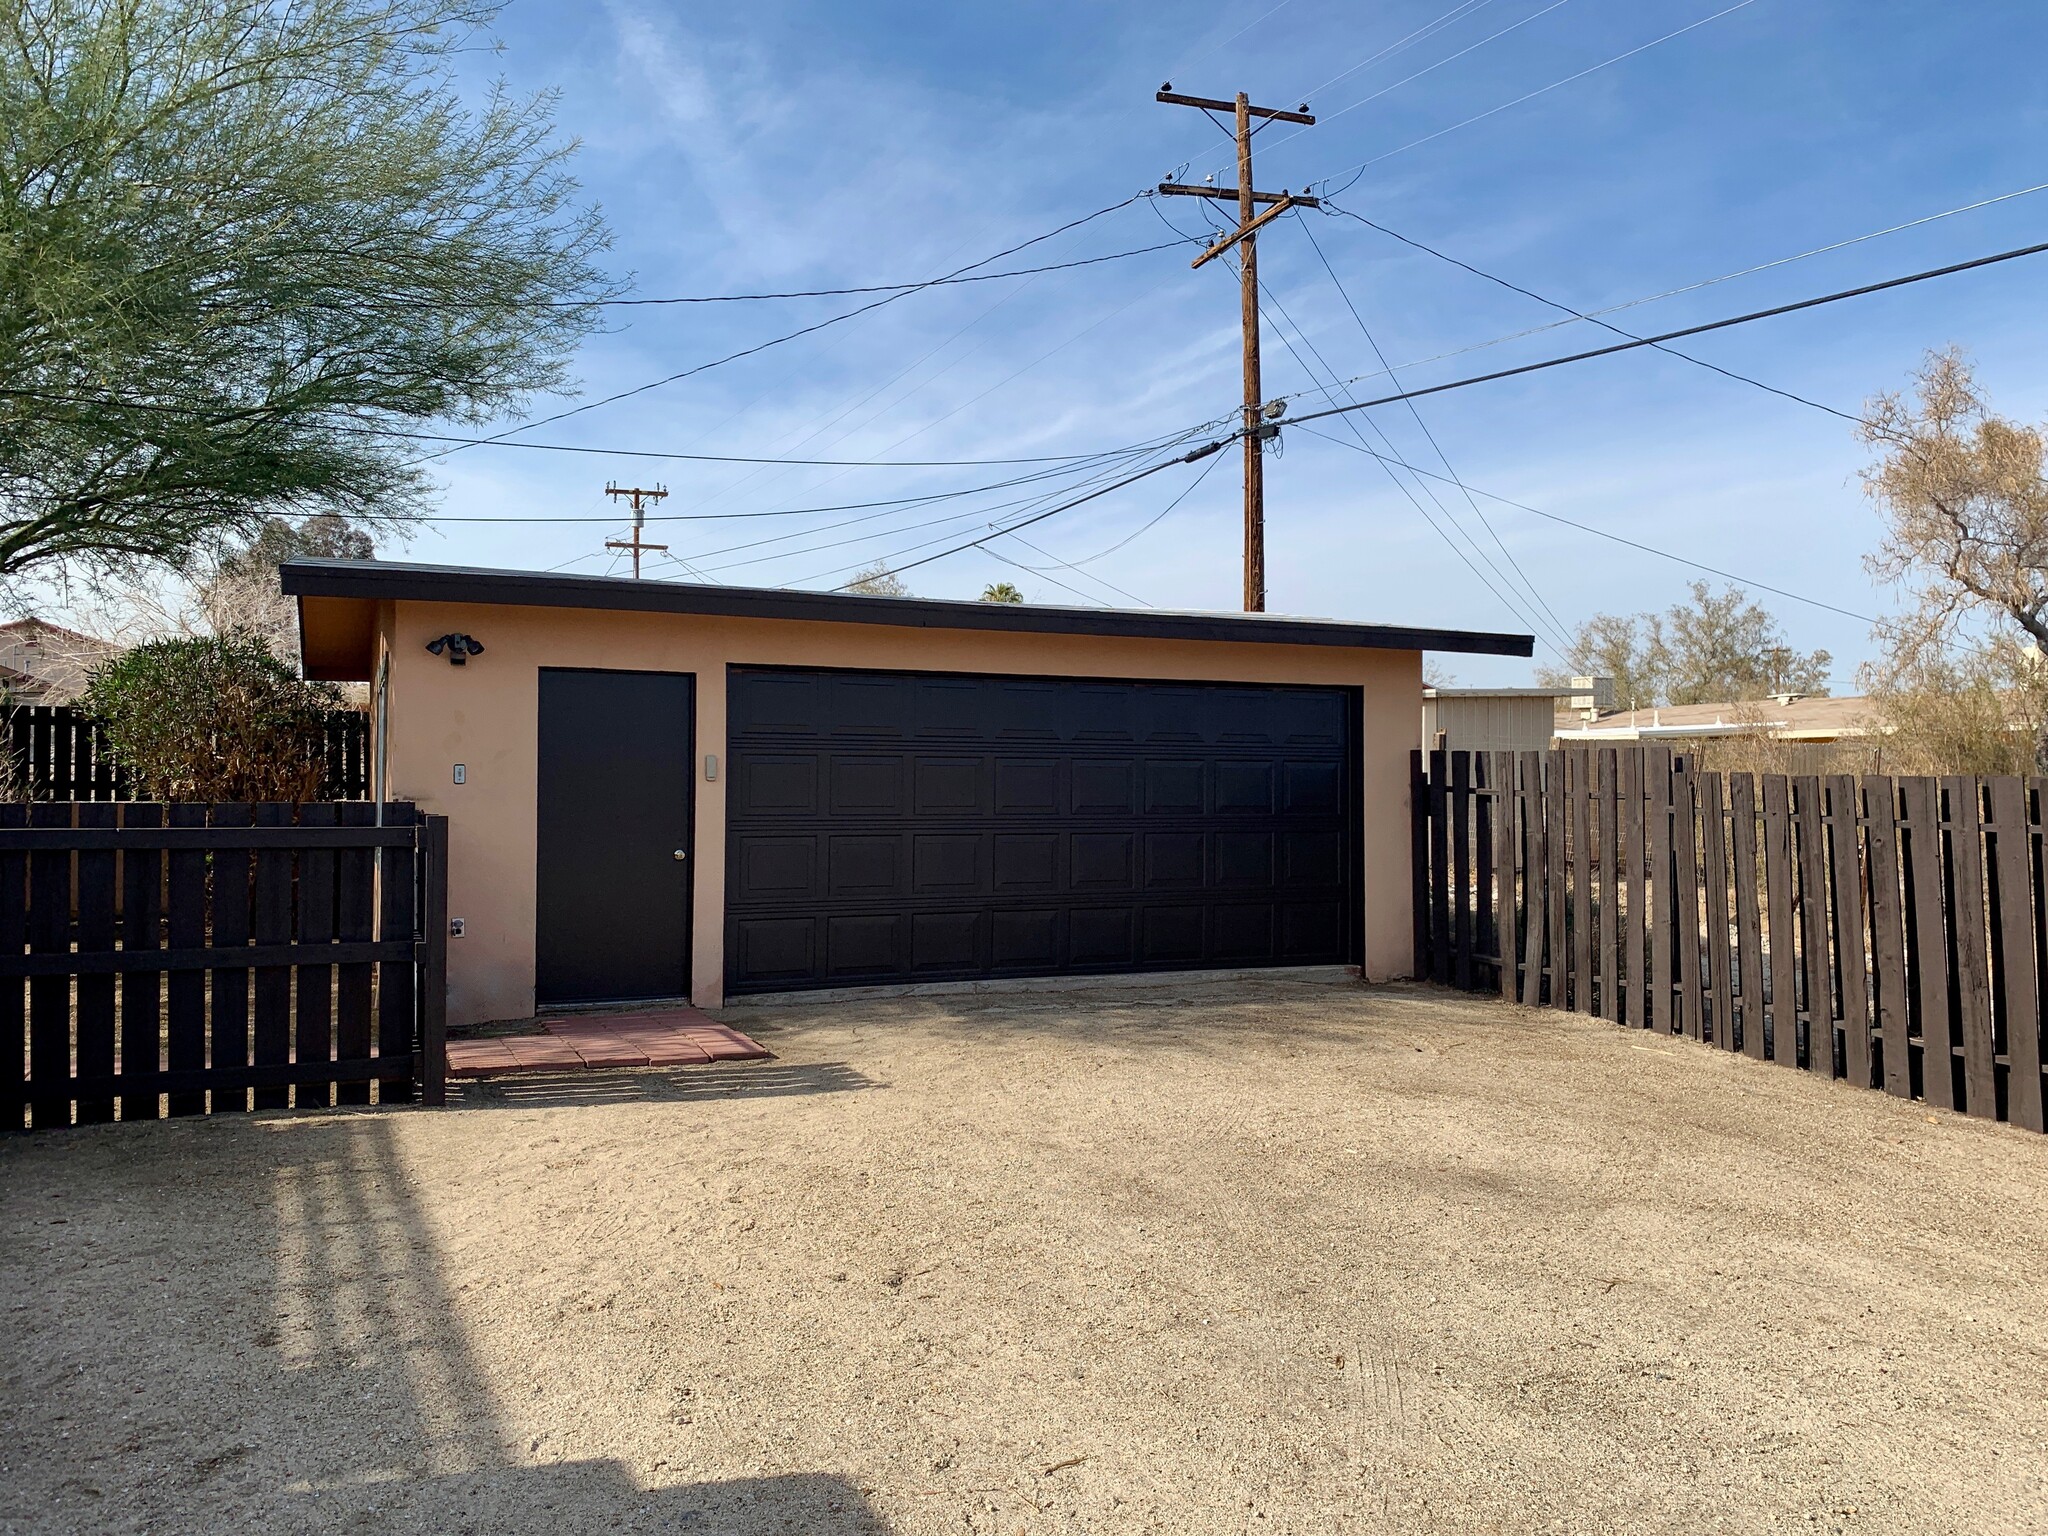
(659, 1037)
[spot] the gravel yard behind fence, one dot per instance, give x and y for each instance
(1274, 1256)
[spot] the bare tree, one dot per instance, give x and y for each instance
(1965, 503)
(878, 580)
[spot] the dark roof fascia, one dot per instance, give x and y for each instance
(385, 580)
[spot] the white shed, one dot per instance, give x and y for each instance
(1491, 719)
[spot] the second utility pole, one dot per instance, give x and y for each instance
(1256, 429)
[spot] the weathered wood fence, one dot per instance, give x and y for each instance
(57, 752)
(193, 959)
(1893, 931)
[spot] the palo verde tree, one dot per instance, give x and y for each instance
(240, 242)
(1962, 683)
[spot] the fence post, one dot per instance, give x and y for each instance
(433, 961)
(1535, 819)
(1460, 881)
(1418, 859)
(1971, 934)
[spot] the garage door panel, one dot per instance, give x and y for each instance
(1312, 789)
(863, 945)
(1175, 788)
(1026, 862)
(1103, 861)
(950, 707)
(1244, 788)
(785, 703)
(950, 786)
(776, 785)
(863, 865)
(875, 705)
(1309, 928)
(867, 786)
(776, 949)
(1311, 718)
(777, 868)
(1175, 860)
(1172, 935)
(962, 826)
(1027, 786)
(949, 942)
(1242, 932)
(947, 864)
(1311, 859)
(1103, 787)
(1244, 858)
(1101, 936)
(1024, 940)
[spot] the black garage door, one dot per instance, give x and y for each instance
(891, 827)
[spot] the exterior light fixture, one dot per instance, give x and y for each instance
(457, 648)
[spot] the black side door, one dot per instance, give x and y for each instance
(612, 912)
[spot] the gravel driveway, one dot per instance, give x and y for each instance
(1279, 1256)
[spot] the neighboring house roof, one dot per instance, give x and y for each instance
(48, 663)
(1500, 693)
(1815, 718)
(337, 601)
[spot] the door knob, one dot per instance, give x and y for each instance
(680, 854)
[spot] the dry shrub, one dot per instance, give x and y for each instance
(213, 718)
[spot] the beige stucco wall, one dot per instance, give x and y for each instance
(485, 715)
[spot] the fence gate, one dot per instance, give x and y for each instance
(195, 959)
(1891, 931)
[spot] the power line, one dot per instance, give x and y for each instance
(1507, 600)
(1435, 446)
(1069, 565)
(1036, 497)
(1636, 544)
(1530, 293)
(1532, 95)
(1187, 458)
(1427, 30)
(1690, 330)
(845, 506)
(377, 429)
(753, 298)
(954, 525)
(1511, 603)
(776, 341)
(1707, 282)
(1157, 517)
(1427, 69)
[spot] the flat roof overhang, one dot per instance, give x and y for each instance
(338, 605)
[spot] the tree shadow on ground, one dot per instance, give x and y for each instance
(275, 1346)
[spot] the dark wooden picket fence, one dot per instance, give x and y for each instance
(58, 752)
(192, 959)
(1893, 931)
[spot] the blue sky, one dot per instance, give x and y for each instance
(791, 145)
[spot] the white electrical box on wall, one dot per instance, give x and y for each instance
(461, 773)
(710, 767)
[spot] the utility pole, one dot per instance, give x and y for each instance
(1256, 428)
(640, 497)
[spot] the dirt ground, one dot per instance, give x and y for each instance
(1267, 1257)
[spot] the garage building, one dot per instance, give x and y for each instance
(657, 790)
